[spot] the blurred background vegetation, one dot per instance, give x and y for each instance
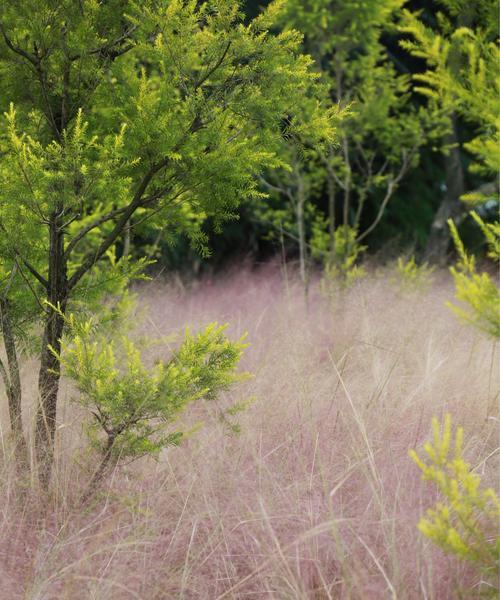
(358, 50)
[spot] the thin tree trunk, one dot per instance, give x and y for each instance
(347, 183)
(331, 211)
(302, 233)
(451, 206)
(12, 381)
(49, 375)
(127, 239)
(99, 475)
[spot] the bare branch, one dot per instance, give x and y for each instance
(391, 188)
(107, 49)
(212, 70)
(93, 257)
(28, 283)
(32, 59)
(25, 262)
(278, 189)
(90, 227)
(33, 271)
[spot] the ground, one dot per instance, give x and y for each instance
(316, 497)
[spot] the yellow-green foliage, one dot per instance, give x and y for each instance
(465, 522)
(476, 290)
(132, 403)
(339, 253)
(462, 73)
(411, 275)
(491, 232)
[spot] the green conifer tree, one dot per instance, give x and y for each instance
(463, 76)
(379, 137)
(115, 113)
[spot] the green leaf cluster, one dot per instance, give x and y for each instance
(341, 257)
(463, 71)
(135, 404)
(465, 521)
(477, 291)
(411, 275)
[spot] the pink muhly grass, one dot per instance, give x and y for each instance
(316, 498)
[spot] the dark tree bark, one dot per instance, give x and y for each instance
(12, 382)
(49, 375)
(127, 235)
(299, 209)
(99, 475)
(451, 206)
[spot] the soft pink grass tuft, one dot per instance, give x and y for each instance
(316, 498)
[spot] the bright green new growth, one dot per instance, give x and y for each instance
(463, 72)
(463, 76)
(465, 522)
(340, 254)
(121, 115)
(133, 404)
(411, 275)
(477, 290)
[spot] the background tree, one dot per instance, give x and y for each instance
(382, 135)
(420, 199)
(441, 34)
(290, 211)
(463, 74)
(122, 112)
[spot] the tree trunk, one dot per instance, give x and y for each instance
(49, 375)
(99, 475)
(331, 212)
(302, 235)
(347, 184)
(12, 382)
(127, 239)
(450, 207)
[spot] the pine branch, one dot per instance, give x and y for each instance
(26, 263)
(90, 227)
(34, 60)
(212, 70)
(92, 257)
(106, 50)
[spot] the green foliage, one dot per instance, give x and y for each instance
(208, 107)
(195, 126)
(491, 233)
(477, 291)
(465, 521)
(122, 113)
(411, 275)
(463, 72)
(463, 76)
(23, 308)
(340, 253)
(379, 129)
(381, 134)
(132, 403)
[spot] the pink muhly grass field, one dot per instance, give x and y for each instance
(315, 498)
